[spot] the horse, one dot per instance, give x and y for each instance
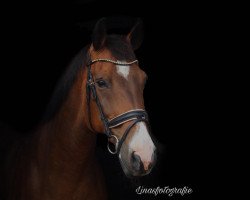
(101, 92)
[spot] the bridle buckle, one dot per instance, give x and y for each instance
(116, 144)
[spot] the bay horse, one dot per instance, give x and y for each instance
(100, 92)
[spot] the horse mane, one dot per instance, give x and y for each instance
(65, 83)
(119, 47)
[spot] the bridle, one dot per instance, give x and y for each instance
(135, 115)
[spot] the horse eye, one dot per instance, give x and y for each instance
(102, 84)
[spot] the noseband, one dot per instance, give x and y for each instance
(135, 115)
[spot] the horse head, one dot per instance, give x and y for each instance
(115, 85)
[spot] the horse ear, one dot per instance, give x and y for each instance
(135, 36)
(99, 34)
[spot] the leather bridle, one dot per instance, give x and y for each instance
(135, 115)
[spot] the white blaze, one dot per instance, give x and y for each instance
(142, 143)
(123, 70)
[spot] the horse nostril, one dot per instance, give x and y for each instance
(150, 166)
(136, 161)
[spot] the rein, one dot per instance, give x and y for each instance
(135, 115)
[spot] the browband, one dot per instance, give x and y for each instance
(112, 61)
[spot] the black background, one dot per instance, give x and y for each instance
(39, 40)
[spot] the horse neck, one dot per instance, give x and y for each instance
(65, 141)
